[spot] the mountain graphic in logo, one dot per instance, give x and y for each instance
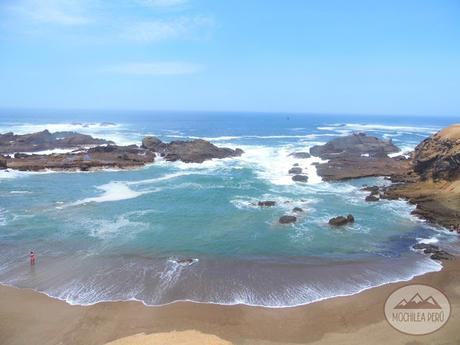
(417, 302)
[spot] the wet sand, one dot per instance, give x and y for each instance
(28, 317)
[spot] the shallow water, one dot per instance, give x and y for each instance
(115, 235)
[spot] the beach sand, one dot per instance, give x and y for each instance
(28, 317)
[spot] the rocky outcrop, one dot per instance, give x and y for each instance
(358, 155)
(438, 157)
(434, 251)
(40, 141)
(341, 220)
(193, 151)
(354, 145)
(433, 183)
(342, 168)
(110, 156)
(287, 219)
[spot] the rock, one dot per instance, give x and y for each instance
(442, 255)
(267, 203)
(40, 141)
(357, 144)
(372, 198)
(185, 261)
(110, 156)
(300, 155)
(107, 124)
(342, 168)
(372, 189)
(432, 184)
(426, 247)
(295, 165)
(436, 253)
(341, 220)
(295, 170)
(287, 219)
(194, 151)
(2, 162)
(438, 157)
(297, 210)
(300, 178)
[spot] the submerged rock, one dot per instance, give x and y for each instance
(287, 219)
(193, 151)
(267, 203)
(297, 210)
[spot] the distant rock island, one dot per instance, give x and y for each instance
(44, 140)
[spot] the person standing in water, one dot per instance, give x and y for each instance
(32, 258)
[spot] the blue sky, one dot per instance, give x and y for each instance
(369, 57)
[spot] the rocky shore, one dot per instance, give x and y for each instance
(433, 180)
(428, 178)
(88, 153)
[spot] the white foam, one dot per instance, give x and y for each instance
(430, 240)
(378, 128)
(112, 191)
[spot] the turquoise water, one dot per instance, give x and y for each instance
(117, 235)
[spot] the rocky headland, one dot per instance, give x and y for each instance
(433, 180)
(428, 178)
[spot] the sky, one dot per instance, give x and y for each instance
(350, 57)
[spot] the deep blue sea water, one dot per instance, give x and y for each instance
(116, 235)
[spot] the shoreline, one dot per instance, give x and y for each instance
(27, 315)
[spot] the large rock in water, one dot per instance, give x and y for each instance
(341, 220)
(40, 141)
(438, 157)
(193, 151)
(356, 144)
(110, 156)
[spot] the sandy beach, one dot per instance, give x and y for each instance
(29, 317)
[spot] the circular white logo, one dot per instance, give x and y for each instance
(417, 309)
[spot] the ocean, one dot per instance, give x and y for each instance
(121, 234)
